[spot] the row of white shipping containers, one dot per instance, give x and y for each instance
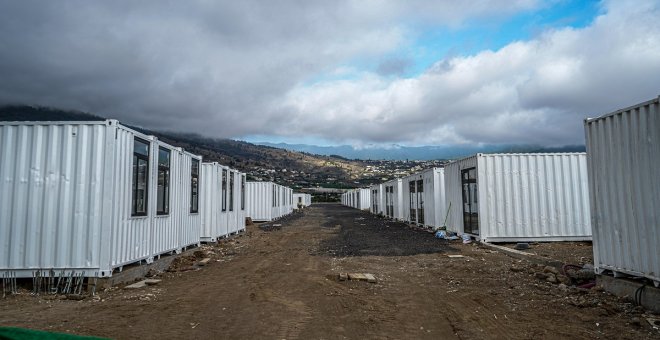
(268, 201)
(304, 199)
(85, 198)
(623, 151)
(520, 197)
(357, 198)
(423, 198)
(497, 197)
(223, 196)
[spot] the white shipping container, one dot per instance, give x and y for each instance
(235, 205)
(242, 212)
(289, 200)
(520, 197)
(214, 202)
(304, 199)
(623, 152)
(393, 199)
(360, 198)
(377, 199)
(86, 198)
(260, 201)
(267, 201)
(423, 196)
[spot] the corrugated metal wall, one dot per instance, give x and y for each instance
(66, 199)
(624, 157)
(398, 199)
(533, 197)
(365, 199)
(189, 222)
(259, 200)
(242, 212)
(432, 198)
(51, 198)
(131, 235)
(209, 200)
(377, 200)
(214, 220)
(453, 192)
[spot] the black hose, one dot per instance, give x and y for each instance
(638, 294)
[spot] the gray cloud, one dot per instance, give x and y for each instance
(230, 69)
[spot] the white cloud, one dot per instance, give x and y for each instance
(536, 91)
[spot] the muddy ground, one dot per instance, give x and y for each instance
(280, 283)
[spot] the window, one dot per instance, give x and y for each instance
(163, 186)
(420, 201)
(411, 188)
(242, 192)
(140, 177)
(194, 186)
(224, 189)
(231, 190)
(274, 197)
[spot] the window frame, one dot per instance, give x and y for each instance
(223, 179)
(194, 184)
(242, 192)
(231, 190)
(166, 179)
(134, 184)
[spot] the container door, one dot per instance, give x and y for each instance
(420, 201)
(413, 201)
(388, 201)
(470, 204)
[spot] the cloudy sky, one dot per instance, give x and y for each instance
(337, 72)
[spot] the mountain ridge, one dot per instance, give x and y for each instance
(422, 153)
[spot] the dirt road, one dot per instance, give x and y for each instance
(280, 284)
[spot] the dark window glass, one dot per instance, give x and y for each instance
(163, 189)
(242, 192)
(140, 183)
(420, 201)
(231, 191)
(224, 189)
(194, 186)
(413, 211)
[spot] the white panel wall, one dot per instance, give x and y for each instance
(623, 151)
(525, 197)
(214, 220)
(305, 199)
(190, 222)
(130, 235)
(454, 193)
(534, 197)
(260, 200)
(242, 211)
(377, 199)
(396, 198)
(267, 201)
(65, 200)
(432, 198)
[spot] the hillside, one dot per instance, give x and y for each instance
(430, 152)
(264, 163)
